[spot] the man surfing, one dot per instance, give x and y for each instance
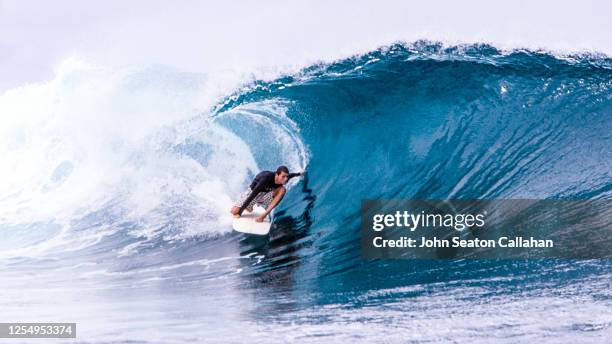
(267, 189)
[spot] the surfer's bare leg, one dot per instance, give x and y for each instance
(235, 211)
(279, 193)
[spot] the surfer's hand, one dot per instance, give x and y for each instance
(236, 215)
(259, 219)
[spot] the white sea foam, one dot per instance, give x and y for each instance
(130, 147)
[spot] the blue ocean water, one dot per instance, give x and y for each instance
(147, 255)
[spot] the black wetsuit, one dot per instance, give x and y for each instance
(263, 182)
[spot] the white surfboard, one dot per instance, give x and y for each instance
(246, 222)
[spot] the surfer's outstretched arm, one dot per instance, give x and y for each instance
(278, 196)
(291, 175)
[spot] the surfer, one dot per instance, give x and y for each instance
(266, 189)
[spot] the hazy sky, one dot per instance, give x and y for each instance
(35, 36)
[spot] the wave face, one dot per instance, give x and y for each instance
(136, 203)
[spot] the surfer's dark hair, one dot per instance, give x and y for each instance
(282, 169)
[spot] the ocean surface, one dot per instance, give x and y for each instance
(116, 186)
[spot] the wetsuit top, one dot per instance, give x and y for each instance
(263, 182)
